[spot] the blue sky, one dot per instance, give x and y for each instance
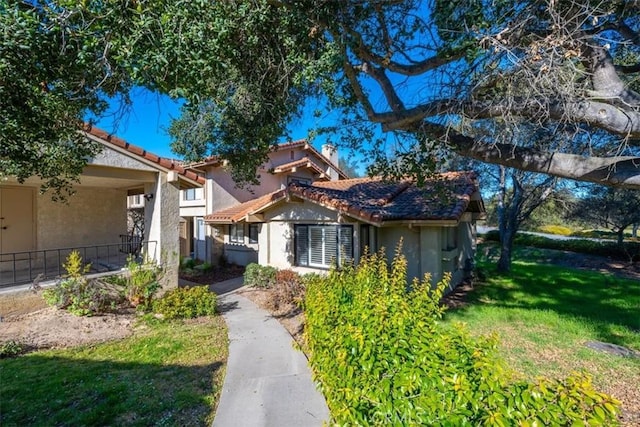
(146, 122)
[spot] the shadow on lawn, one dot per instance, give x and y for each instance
(601, 299)
(43, 390)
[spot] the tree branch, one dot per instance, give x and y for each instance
(614, 119)
(364, 53)
(622, 172)
(381, 77)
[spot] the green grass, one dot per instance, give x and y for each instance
(168, 373)
(544, 314)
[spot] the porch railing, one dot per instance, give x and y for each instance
(23, 267)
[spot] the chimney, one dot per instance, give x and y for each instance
(330, 152)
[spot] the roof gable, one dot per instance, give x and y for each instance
(144, 156)
(301, 144)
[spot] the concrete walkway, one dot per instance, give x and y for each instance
(268, 382)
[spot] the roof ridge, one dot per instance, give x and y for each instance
(388, 198)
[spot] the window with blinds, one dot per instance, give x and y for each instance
(323, 245)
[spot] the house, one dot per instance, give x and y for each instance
(292, 162)
(314, 224)
(37, 233)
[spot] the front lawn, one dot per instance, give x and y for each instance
(545, 314)
(168, 373)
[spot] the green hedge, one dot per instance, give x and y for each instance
(260, 276)
(631, 250)
(186, 303)
(382, 358)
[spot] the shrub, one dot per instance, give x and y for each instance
(288, 289)
(556, 229)
(629, 252)
(204, 267)
(142, 282)
(186, 303)
(11, 348)
(74, 292)
(260, 276)
(187, 263)
(381, 358)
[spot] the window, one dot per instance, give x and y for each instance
(450, 238)
(253, 233)
(137, 200)
(200, 230)
(236, 233)
(189, 194)
(297, 180)
(322, 245)
(368, 238)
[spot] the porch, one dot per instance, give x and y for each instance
(19, 268)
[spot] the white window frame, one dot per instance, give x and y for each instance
(253, 227)
(236, 233)
(328, 256)
(190, 194)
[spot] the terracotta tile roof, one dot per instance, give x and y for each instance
(243, 210)
(164, 163)
(444, 197)
(304, 162)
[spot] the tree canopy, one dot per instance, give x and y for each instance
(432, 72)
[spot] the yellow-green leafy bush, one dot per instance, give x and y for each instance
(556, 229)
(381, 358)
(186, 303)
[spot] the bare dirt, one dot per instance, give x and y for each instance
(53, 328)
(26, 319)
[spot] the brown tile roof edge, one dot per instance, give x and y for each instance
(304, 162)
(238, 212)
(141, 152)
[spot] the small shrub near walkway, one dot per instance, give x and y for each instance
(382, 358)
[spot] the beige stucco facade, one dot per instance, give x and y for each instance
(429, 249)
(95, 216)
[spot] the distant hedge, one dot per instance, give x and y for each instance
(630, 251)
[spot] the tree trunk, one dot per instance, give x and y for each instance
(634, 230)
(507, 221)
(621, 237)
(506, 246)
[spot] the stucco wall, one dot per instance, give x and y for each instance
(389, 238)
(301, 212)
(110, 157)
(92, 216)
(162, 223)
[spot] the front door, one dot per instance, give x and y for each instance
(16, 219)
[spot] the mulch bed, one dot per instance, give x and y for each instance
(215, 275)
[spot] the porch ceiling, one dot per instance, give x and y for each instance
(98, 176)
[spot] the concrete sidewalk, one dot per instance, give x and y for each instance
(268, 382)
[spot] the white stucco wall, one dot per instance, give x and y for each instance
(92, 216)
